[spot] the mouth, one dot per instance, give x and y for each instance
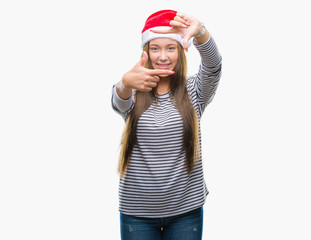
(163, 66)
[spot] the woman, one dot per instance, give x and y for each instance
(162, 188)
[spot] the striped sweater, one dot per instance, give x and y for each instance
(156, 183)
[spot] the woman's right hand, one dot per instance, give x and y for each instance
(141, 78)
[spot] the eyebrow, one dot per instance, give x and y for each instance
(169, 45)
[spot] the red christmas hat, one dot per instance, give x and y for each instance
(158, 20)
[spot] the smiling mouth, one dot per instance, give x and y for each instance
(163, 66)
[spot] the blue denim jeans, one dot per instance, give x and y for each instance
(187, 226)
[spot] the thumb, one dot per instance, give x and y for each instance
(185, 43)
(144, 58)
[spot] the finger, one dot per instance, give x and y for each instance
(185, 43)
(164, 30)
(154, 79)
(146, 89)
(176, 24)
(156, 72)
(152, 84)
(149, 84)
(144, 59)
(181, 20)
(181, 15)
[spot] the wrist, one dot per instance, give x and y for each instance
(202, 39)
(123, 91)
(202, 31)
(122, 85)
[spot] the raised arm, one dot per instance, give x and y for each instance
(203, 85)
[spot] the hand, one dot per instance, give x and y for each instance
(141, 78)
(185, 25)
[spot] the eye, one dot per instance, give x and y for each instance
(171, 49)
(153, 48)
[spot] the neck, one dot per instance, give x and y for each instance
(163, 85)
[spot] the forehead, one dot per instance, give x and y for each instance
(163, 41)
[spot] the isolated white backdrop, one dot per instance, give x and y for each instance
(59, 137)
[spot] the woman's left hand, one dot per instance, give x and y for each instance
(185, 25)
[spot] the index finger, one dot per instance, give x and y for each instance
(181, 15)
(160, 30)
(160, 72)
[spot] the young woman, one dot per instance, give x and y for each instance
(162, 188)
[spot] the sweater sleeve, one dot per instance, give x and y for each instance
(202, 86)
(121, 106)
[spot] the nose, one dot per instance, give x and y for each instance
(163, 56)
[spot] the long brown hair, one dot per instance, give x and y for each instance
(180, 97)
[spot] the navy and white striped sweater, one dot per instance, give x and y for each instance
(156, 183)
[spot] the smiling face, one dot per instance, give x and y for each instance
(163, 53)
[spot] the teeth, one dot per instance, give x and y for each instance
(163, 65)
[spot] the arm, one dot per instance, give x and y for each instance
(121, 106)
(138, 78)
(204, 84)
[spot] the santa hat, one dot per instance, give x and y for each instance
(159, 20)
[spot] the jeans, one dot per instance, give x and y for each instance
(187, 226)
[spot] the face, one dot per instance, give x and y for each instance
(163, 53)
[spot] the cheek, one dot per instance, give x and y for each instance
(153, 59)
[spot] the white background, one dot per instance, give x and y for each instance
(59, 137)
